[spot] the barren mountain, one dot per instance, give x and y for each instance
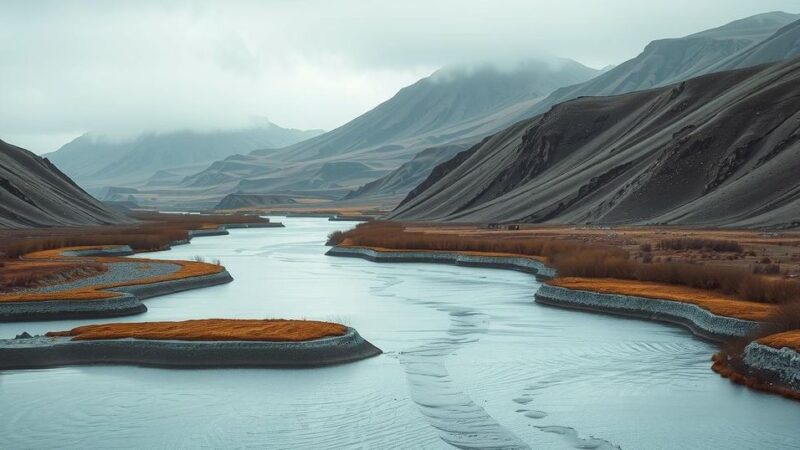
(742, 43)
(162, 159)
(34, 193)
(667, 61)
(452, 105)
(717, 150)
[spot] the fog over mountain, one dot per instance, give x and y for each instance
(721, 149)
(666, 61)
(89, 66)
(97, 161)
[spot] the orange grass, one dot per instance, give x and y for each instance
(575, 258)
(210, 330)
(16, 274)
(716, 303)
(187, 269)
(789, 339)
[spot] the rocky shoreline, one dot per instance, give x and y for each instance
(129, 301)
(42, 352)
(780, 367)
(521, 264)
(699, 321)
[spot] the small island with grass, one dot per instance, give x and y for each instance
(71, 273)
(212, 343)
(734, 287)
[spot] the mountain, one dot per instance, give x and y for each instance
(667, 61)
(34, 193)
(451, 105)
(784, 44)
(742, 43)
(399, 181)
(162, 159)
(718, 150)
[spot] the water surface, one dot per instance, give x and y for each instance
(470, 361)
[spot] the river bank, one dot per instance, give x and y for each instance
(769, 367)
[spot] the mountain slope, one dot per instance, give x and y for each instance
(668, 61)
(717, 150)
(452, 105)
(34, 193)
(742, 43)
(96, 162)
(784, 44)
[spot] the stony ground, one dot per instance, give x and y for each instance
(117, 272)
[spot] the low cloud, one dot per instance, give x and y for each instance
(121, 68)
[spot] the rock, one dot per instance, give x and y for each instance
(24, 335)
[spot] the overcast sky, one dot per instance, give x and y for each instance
(120, 68)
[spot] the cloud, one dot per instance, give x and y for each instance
(121, 68)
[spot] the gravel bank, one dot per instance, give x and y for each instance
(522, 264)
(127, 303)
(778, 366)
(40, 352)
(700, 321)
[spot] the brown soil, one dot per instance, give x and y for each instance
(210, 330)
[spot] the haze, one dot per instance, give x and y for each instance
(122, 68)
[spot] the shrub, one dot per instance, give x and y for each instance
(647, 247)
(767, 269)
(572, 258)
(715, 245)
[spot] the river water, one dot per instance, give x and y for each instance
(469, 361)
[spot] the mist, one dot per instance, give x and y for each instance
(123, 68)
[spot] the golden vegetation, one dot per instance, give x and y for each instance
(187, 269)
(716, 303)
(25, 274)
(155, 231)
(789, 339)
(210, 330)
(573, 257)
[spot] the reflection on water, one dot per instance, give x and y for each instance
(470, 361)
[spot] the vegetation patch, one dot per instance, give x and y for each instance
(209, 330)
(714, 302)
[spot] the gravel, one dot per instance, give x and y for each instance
(117, 272)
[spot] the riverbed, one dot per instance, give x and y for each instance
(469, 361)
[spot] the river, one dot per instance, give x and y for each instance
(469, 361)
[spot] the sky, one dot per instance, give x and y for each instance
(121, 68)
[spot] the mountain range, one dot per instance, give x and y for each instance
(717, 150)
(376, 153)
(159, 159)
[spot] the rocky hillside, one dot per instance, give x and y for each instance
(717, 150)
(34, 193)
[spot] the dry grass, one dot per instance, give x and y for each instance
(575, 258)
(714, 245)
(155, 232)
(789, 339)
(23, 274)
(210, 330)
(187, 269)
(709, 300)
